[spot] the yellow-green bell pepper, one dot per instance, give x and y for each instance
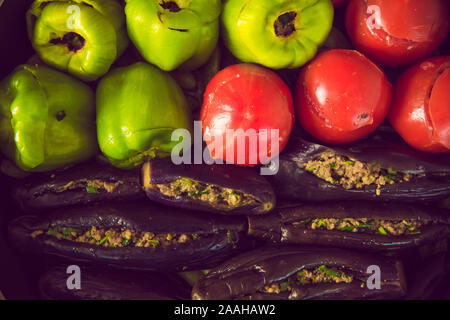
(276, 33)
(47, 119)
(174, 34)
(138, 108)
(81, 37)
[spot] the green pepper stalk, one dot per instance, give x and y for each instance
(81, 37)
(276, 34)
(176, 33)
(138, 108)
(47, 119)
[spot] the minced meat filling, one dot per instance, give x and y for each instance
(91, 186)
(116, 237)
(218, 196)
(305, 277)
(351, 173)
(384, 227)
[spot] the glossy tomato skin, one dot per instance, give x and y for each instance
(420, 110)
(397, 32)
(246, 96)
(342, 96)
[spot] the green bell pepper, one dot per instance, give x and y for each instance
(172, 34)
(47, 119)
(277, 34)
(81, 37)
(138, 107)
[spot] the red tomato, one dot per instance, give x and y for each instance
(339, 3)
(246, 97)
(342, 96)
(421, 105)
(397, 32)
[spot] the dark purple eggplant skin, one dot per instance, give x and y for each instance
(278, 227)
(427, 278)
(242, 276)
(385, 148)
(107, 284)
(218, 236)
(36, 193)
(247, 180)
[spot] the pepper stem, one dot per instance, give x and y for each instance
(72, 40)
(285, 24)
(172, 6)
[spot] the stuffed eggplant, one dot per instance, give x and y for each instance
(80, 185)
(136, 236)
(301, 273)
(381, 167)
(386, 227)
(107, 284)
(215, 188)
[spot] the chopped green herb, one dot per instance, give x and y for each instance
(186, 181)
(90, 189)
(234, 194)
(311, 169)
(347, 228)
(283, 286)
(194, 236)
(125, 242)
(382, 231)
(393, 172)
(329, 272)
(52, 232)
(320, 222)
(332, 165)
(350, 162)
(69, 231)
(154, 243)
(105, 238)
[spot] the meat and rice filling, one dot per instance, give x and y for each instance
(219, 197)
(91, 186)
(374, 226)
(351, 173)
(321, 274)
(116, 237)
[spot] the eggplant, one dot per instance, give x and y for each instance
(376, 226)
(141, 236)
(391, 171)
(296, 273)
(79, 185)
(216, 188)
(106, 284)
(427, 278)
